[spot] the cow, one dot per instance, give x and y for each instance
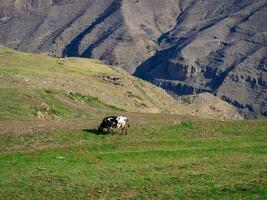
(114, 122)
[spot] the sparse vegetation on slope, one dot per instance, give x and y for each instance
(205, 104)
(40, 85)
(48, 87)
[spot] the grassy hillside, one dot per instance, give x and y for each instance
(50, 109)
(32, 85)
(162, 157)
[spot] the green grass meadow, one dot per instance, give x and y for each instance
(195, 159)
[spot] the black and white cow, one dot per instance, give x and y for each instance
(114, 122)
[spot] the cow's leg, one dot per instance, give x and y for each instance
(99, 130)
(112, 131)
(126, 129)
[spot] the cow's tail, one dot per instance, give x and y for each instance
(128, 124)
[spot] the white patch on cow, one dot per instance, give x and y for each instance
(121, 121)
(109, 119)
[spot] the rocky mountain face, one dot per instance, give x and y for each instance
(119, 32)
(218, 47)
(184, 46)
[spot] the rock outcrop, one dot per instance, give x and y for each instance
(205, 104)
(218, 47)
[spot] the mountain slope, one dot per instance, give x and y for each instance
(43, 86)
(111, 30)
(217, 47)
(184, 46)
(209, 106)
(30, 83)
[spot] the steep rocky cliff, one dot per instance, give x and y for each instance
(120, 32)
(184, 46)
(218, 47)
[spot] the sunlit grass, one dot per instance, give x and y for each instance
(193, 159)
